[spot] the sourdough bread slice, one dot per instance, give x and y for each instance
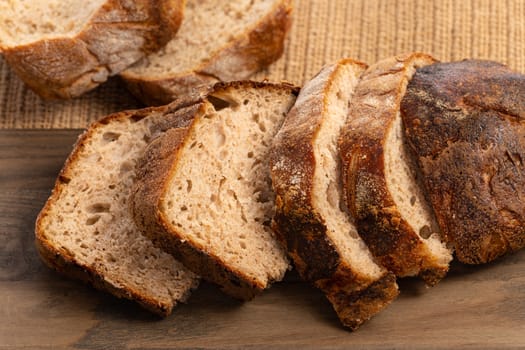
(85, 229)
(62, 49)
(309, 219)
(464, 123)
(217, 41)
(382, 184)
(203, 193)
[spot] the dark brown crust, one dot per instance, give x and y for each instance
(356, 304)
(390, 238)
(154, 173)
(60, 259)
(464, 121)
(250, 52)
(301, 228)
(118, 35)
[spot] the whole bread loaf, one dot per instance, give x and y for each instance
(61, 49)
(464, 123)
(382, 184)
(86, 230)
(203, 192)
(310, 219)
(217, 41)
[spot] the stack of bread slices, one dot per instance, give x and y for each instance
(366, 175)
(363, 176)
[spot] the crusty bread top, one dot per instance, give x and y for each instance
(60, 51)
(203, 193)
(85, 229)
(464, 121)
(217, 41)
(381, 181)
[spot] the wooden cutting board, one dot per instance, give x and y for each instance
(474, 307)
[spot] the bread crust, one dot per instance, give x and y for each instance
(300, 228)
(119, 34)
(464, 122)
(61, 259)
(153, 175)
(247, 54)
(372, 113)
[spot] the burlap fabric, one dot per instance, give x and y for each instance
(323, 31)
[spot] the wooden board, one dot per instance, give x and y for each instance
(474, 307)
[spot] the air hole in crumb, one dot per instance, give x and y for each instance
(83, 245)
(250, 154)
(110, 136)
(219, 103)
(242, 245)
(137, 117)
(194, 143)
(425, 232)
(183, 208)
(64, 179)
(245, 102)
(92, 220)
(126, 167)
(189, 185)
(99, 208)
(412, 200)
(112, 186)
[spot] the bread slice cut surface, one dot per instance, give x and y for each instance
(382, 183)
(311, 219)
(204, 194)
(86, 231)
(217, 41)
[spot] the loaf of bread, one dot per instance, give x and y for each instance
(85, 229)
(203, 192)
(381, 180)
(217, 41)
(464, 123)
(62, 49)
(310, 219)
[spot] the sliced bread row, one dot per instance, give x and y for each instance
(339, 172)
(61, 52)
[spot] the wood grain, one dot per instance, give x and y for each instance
(473, 308)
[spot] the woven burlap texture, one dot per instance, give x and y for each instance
(323, 31)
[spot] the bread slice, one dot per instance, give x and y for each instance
(310, 218)
(218, 41)
(62, 49)
(203, 193)
(382, 184)
(464, 123)
(85, 229)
